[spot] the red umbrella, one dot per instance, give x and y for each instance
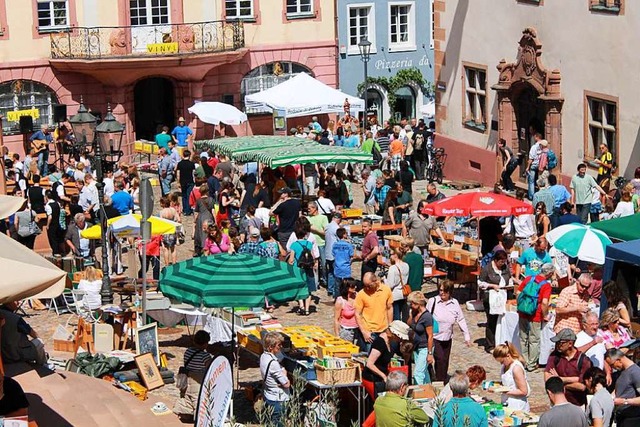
(478, 204)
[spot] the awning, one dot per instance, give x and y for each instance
(625, 228)
(215, 113)
(10, 205)
(26, 274)
(276, 151)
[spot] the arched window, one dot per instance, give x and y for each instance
(18, 95)
(405, 103)
(267, 76)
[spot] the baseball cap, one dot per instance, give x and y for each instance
(181, 119)
(564, 335)
(254, 232)
(285, 190)
(337, 215)
(204, 154)
(544, 142)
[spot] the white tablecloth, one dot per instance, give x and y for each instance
(508, 330)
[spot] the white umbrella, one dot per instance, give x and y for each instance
(580, 241)
(217, 112)
(26, 274)
(9, 205)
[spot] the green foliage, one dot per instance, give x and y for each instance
(404, 77)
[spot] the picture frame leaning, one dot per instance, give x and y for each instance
(148, 371)
(147, 341)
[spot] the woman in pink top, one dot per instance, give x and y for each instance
(216, 241)
(345, 325)
(447, 312)
(611, 332)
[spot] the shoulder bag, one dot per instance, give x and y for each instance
(406, 289)
(182, 380)
(436, 326)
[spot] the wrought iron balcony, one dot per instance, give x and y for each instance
(146, 41)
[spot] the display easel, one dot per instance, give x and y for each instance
(84, 337)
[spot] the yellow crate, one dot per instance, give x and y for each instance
(138, 146)
(155, 149)
(147, 147)
(337, 350)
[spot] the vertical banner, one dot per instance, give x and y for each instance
(215, 394)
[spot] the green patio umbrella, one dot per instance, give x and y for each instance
(242, 144)
(233, 280)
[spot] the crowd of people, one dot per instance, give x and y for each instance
(241, 208)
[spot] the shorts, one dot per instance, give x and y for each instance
(311, 283)
(169, 240)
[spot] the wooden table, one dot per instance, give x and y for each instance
(357, 229)
(435, 274)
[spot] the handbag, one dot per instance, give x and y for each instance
(406, 289)
(436, 326)
(497, 301)
(34, 230)
(182, 380)
(258, 403)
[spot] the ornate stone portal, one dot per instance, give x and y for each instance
(529, 95)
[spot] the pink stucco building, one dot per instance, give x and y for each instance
(152, 60)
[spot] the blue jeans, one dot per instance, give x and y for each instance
(421, 371)
(321, 265)
(332, 287)
(43, 163)
(555, 217)
(165, 184)
(186, 191)
(583, 212)
(397, 308)
(367, 345)
(278, 409)
(531, 182)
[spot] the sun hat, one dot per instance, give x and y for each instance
(400, 329)
(544, 142)
(181, 119)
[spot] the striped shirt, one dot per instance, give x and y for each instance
(199, 362)
(383, 143)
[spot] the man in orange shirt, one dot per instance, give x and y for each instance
(374, 308)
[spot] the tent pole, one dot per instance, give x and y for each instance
(144, 281)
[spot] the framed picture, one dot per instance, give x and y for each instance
(147, 341)
(149, 372)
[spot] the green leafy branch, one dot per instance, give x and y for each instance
(404, 77)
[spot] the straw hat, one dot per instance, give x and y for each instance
(400, 329)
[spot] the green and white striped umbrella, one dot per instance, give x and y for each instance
(238, 280)
(580, 241)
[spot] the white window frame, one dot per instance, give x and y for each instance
(249, 17)
(432, 24)
(52, 25)
(602, 126)
(480, 120)
(148, 9)
(410, 44)
(371, 28)
(298, 13)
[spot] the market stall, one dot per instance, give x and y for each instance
(303, 95)
(624, 229)
(622, 264)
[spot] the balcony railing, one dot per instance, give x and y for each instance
(146, 41)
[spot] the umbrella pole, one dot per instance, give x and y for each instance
(233, 354)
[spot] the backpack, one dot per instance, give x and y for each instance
(528, 298)
(552, 159)
(377, 156)
(486, 260)
(543, 161)
(305, 260)
(419, 141)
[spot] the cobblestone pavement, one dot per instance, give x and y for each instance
(174, 341)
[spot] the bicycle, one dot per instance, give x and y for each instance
(437, 159)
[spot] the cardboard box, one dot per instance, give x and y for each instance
(63, 345)
(425, 391)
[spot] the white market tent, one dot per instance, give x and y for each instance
(215, 113)
(429, 110)
(303, 95)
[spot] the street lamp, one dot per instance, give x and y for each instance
(105, 140)
(365, 54)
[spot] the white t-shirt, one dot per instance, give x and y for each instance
(595, 353)
(311, 238)
(108, 187)
(325, 206)
(92, 297)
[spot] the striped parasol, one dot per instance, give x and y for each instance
(580, 241)
(233, 280)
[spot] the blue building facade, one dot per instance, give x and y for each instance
(400, 32)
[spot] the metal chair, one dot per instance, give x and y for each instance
(80, 308)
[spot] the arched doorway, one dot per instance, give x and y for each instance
(405, 103)
(530, 113)
(154, 106)
(528, 96)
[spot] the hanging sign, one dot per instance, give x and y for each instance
(162, 48)
(14, 116)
